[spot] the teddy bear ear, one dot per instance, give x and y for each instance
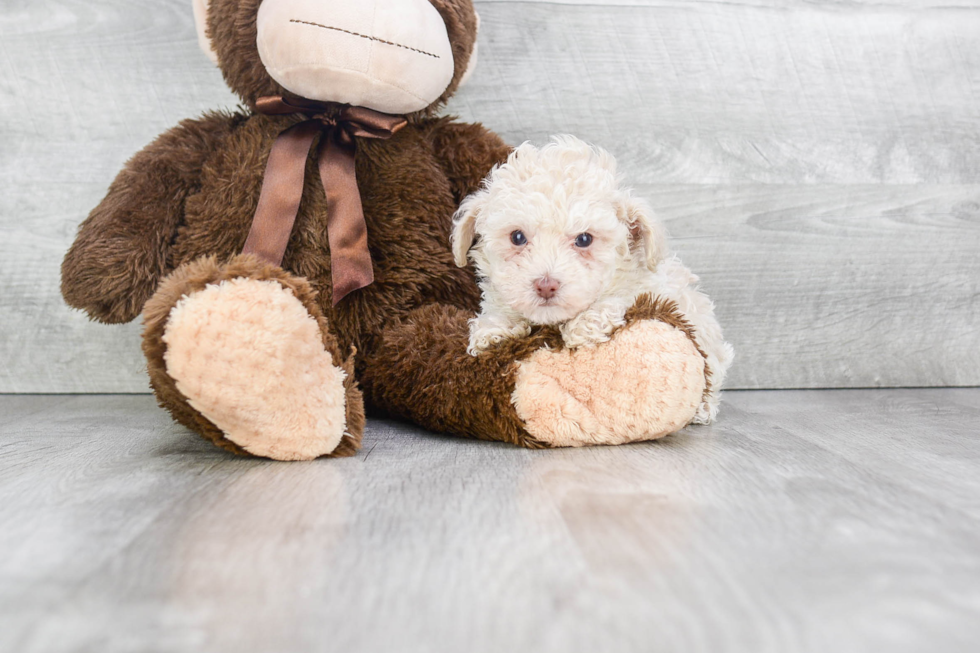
(471, 64)
(201, 24)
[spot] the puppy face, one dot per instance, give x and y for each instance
(554, 228)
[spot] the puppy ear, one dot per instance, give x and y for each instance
(201, 24)
(464, 227)
(644, 227)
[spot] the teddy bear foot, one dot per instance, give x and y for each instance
(245, 360)
(644, 383)
(249, 357)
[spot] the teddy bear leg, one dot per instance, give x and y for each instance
(647, 381)
(240, 353)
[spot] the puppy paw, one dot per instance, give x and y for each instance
(484, 334)
(590, 328)
(250, 358)
(644, 383)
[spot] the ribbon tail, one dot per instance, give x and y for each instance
(282, 191)
(350, 260)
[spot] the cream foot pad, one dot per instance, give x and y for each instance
(643, 384)
(250, 358)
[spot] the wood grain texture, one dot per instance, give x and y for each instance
(803, 521)
(818, 164)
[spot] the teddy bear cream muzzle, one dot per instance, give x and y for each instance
(388, 55)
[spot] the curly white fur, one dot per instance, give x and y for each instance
(553, 195)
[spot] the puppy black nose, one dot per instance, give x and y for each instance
(546, 287)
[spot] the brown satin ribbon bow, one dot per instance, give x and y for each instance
(282, 186)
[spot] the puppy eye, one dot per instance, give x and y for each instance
(583, 240)
(518, 238)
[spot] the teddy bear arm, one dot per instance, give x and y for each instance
(467, 153)
(121, 250)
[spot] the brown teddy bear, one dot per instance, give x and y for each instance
(289, 257)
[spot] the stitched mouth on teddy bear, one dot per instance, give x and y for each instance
(364, 36)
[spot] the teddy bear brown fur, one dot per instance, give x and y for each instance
(175, 220)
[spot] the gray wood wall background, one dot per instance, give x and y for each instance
(817, 163)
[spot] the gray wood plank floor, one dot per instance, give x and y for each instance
(802, 521)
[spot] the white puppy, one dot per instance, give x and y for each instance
(562, 242)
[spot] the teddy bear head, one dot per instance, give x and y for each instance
(404, 57)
